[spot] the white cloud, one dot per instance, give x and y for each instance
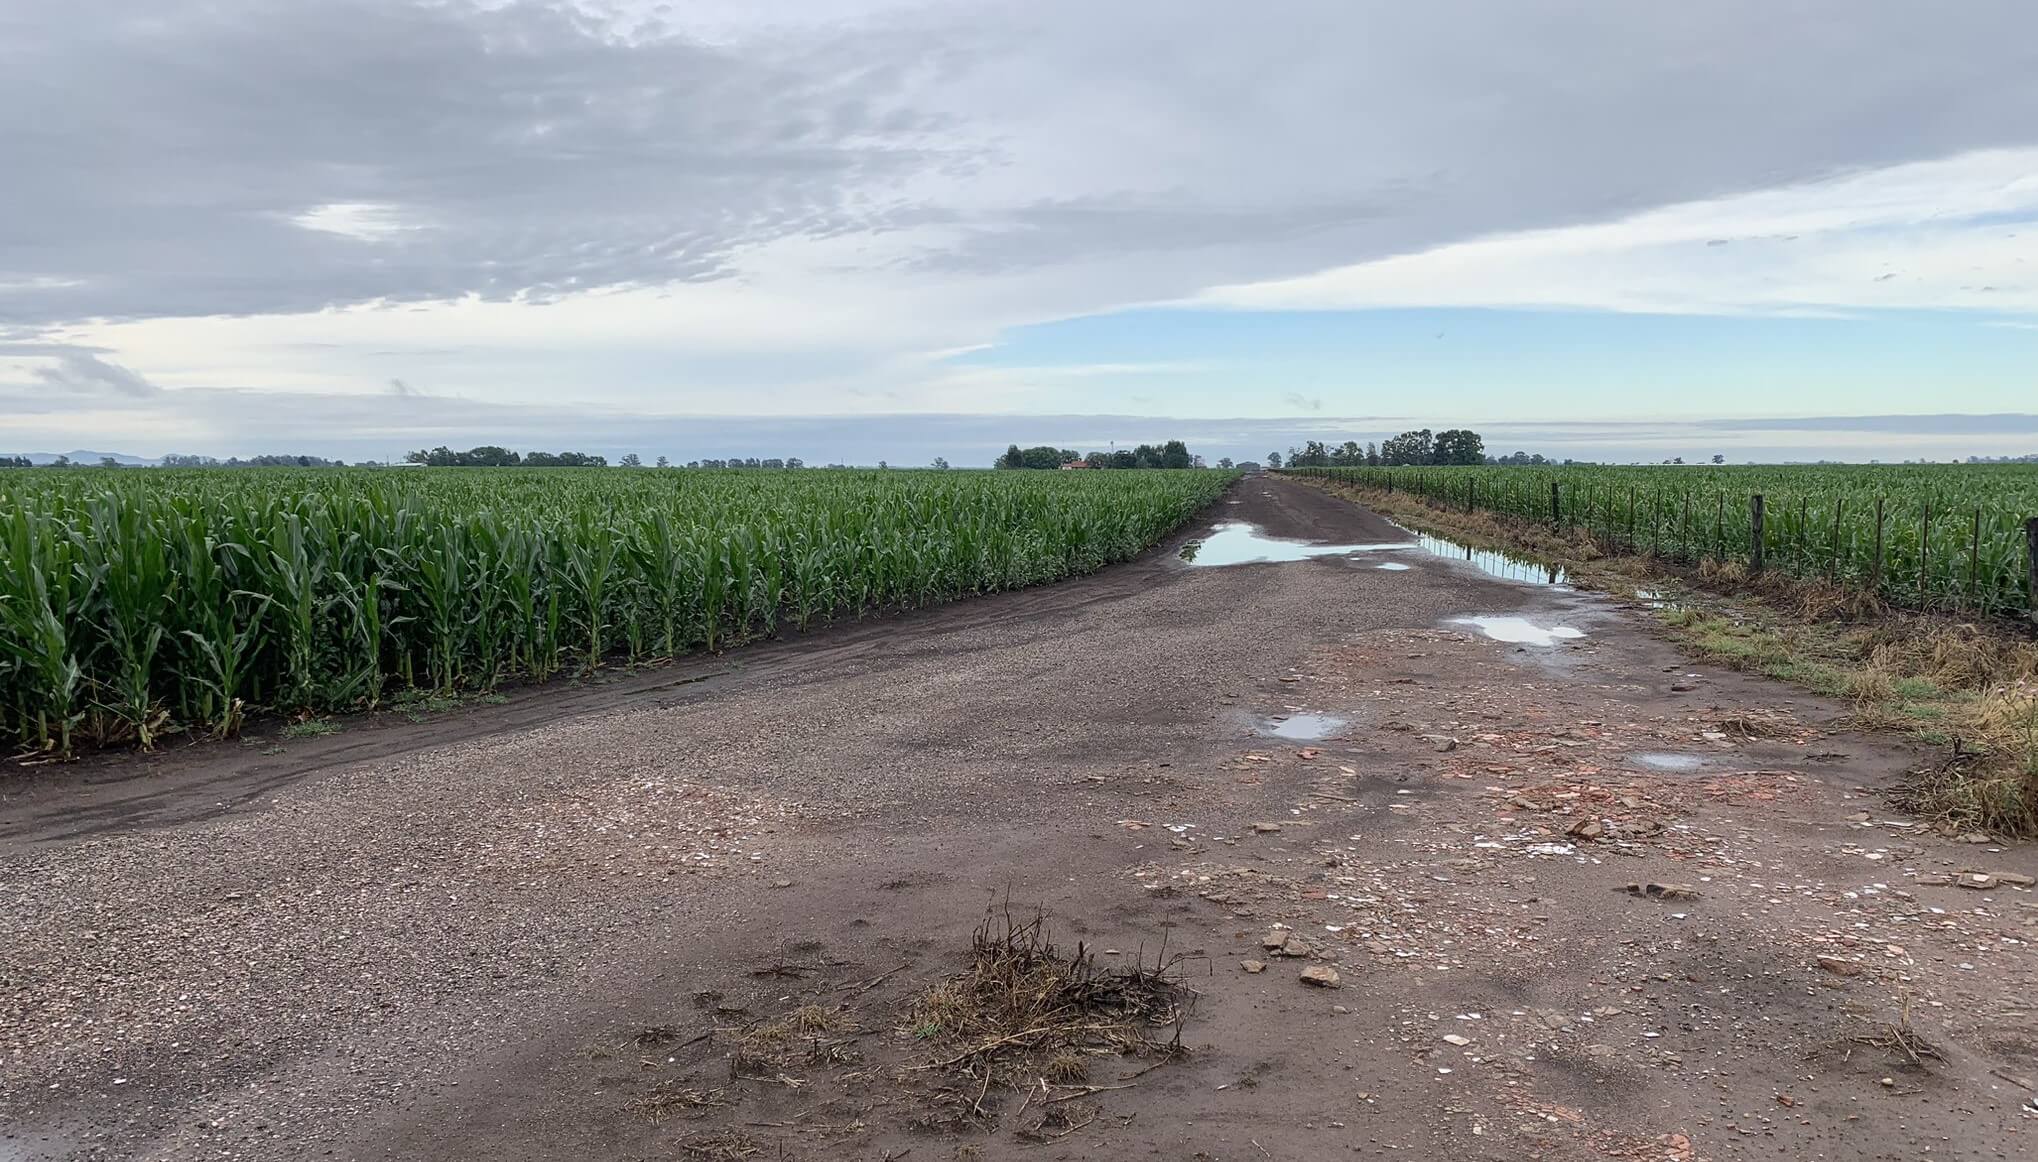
(1953, 234)
(361, 221)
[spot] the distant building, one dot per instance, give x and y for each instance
(1075, 464)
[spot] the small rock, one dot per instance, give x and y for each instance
(781, 883)
(1839, 966)
(1266, 828)
(1455, 1039)
(1253, 966)
(1446, 745)
(2021, 881)
(1662, 891)
(1934, 881)
(1586, 829)
(1889, 1083)
(1975, 881)
(1340, 1010)
(1682, 687)
(1320, 975)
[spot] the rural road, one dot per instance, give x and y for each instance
(501, 933)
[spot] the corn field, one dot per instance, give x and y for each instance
(1948, 537)
(136, 604)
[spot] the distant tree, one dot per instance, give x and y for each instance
(1124, 459)
(664, 463)
(940, 463)
(795, 462)
(1224, 461)
(1046, 456)
(1458, 446)
(61, 462)
(284, 461)
(882, 464)
(1312, 454)
(1372, 454)
(565, 460)
(1718, 459)
(1175, 454)
(108, 462)
(631, 460)
(16, 462)
(178, 460)
(1247, 465)
(1273, 459)
(1013, 458)
(1409, 448)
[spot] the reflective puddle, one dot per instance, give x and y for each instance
(1520, 630)
(1240, 543)
(1667, 760)
(1302, 727)
(1492, 562)
(1392, 567)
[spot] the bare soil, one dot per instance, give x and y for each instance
(661, 917)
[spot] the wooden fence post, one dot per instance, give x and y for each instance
(2031, 562)
(1925, 558)
(1875, 561)
(1755, 533)
(1974, 564)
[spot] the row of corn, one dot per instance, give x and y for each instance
(136, 604)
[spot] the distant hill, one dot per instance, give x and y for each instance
(84, 457)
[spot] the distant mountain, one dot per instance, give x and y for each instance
(83, 457)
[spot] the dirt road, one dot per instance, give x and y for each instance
(510, 931)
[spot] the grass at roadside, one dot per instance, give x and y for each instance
(1969, 688)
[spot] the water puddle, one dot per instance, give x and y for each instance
(1667, 760)
(1658, 599)
(1392, 567)
(1302, 727)
(1492, 562)
(1239, 543)
(1520, 630)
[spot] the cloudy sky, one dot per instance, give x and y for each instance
(853, 229)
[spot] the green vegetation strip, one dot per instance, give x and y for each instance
(133, 605)
(1934, 537)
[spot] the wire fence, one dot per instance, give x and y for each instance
(1915, 547)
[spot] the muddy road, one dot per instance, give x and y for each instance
(543, 929)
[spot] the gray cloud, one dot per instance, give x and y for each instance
(83, 372)
(161, 158)
(1296, 399)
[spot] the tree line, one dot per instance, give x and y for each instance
(1172, 454)
(1421, 446)
(175, 460)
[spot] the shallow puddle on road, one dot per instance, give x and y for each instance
(1302, 727)
(1239, 543)
(1667, 760)
(1520, 630)
(1492, 562)
(1392, 567)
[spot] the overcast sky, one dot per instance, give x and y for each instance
(1605, 229)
